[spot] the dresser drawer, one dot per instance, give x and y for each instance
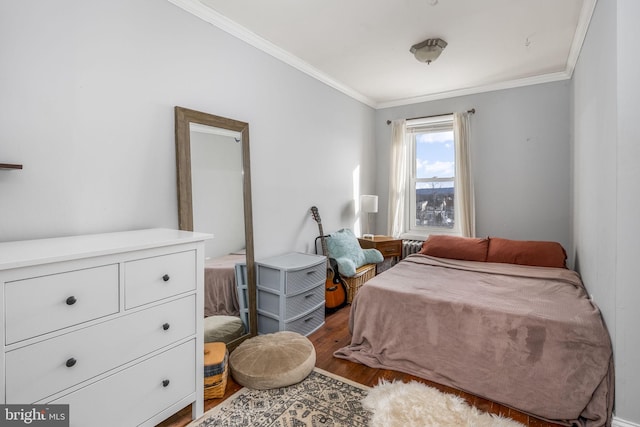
(300, 280)
(44, 304)
(156, 278)
(293, 281)
(36, 371)
(294, 305)
(304, 325)
(308, 323)
(135, 394)
(391, 248)
(304, 302)
(388, 246)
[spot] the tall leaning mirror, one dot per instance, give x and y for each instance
(214, 196)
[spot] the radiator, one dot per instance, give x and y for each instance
(411, 247)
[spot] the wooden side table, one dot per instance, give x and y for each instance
(390, 248)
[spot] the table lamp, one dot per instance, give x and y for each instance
(368, 205)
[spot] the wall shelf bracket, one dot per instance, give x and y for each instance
(10, 166)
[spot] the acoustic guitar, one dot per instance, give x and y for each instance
(335, 290)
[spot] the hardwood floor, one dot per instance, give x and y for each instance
(334, 335)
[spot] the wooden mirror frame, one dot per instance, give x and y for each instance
(183, 118)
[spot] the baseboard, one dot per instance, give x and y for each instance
(619, 422)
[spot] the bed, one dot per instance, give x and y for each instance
(525, 336)
(220, 292)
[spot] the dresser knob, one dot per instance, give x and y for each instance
(165, 383)
(71, 300)
(70, 362)
(166, 277)
(166, 326)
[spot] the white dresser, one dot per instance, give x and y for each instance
(291, 291)
(110, 324)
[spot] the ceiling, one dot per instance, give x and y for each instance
(361, 47)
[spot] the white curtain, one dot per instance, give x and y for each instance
(464, 183)
(398, 177)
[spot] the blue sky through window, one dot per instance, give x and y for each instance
(435, 156)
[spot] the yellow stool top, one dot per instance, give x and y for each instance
(215, 354)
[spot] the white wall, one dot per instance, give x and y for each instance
(628, 205)
(594, 160)
(88, 90)
(605, 184)
(520, 157)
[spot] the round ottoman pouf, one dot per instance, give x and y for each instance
(272, 360)
(222, 328)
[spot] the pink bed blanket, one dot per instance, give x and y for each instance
(220, 291)
(526, 337)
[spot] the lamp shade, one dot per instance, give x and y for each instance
(368, 203)
(428, 50)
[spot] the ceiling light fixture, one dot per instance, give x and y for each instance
(428, 50)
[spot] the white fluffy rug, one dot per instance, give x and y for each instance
(398, 404)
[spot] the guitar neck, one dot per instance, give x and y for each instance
(316, 217)
(325, 250)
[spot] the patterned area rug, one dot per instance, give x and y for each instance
(322, 399)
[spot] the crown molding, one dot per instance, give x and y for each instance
(584, 20)
(220, 21)
(225, 24)
(580, 35)
(527, 81)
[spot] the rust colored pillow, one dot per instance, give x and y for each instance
(527, 252)
(454, 247)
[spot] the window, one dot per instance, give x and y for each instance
(430, 186)
(430, 179)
